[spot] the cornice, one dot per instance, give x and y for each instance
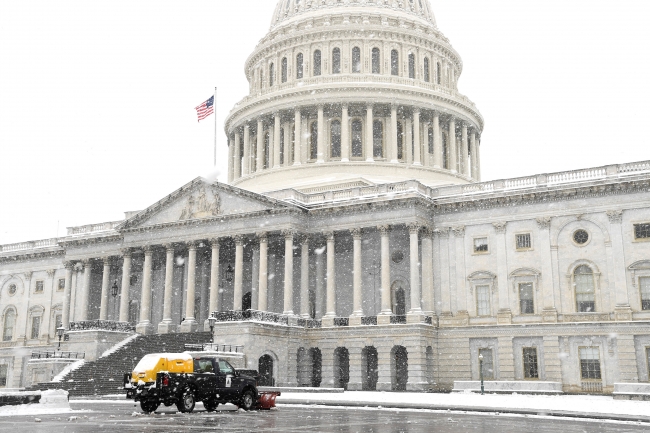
(25, 256)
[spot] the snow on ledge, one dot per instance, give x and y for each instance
(119, 345)
(69, 369)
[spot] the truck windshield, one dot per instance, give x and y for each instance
(226, 368)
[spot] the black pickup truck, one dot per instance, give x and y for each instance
(184, 380)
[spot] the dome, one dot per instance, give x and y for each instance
(286, 10)
(353, 92)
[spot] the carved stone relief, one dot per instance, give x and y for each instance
(201, 206)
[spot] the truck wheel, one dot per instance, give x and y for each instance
(247, 400)
(186, 402)
(149, 406)
(210, 405)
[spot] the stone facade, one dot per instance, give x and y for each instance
(391, 271)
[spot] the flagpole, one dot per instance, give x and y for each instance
(215, 126)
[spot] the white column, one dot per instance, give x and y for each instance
(126, 285)
(231, 160)
(618, 279)
(320, 282)
(276, 141)
(331, 277)
(286, 151)
(255, 272)
(288, 271)
(417, 143)
(427, 272)
(357, 274)
(393, 133)
(386, 309)
(320, 143)
(85, 290)
(144, 324)
(408, 141)
(167, 325)
(304, 277)
(345, 134)
(425, 144)
(473, 156)
(106, 282)
(259, 162)
(239, 272)
(263, 283)
(370, 157)
(214, 276)
(437, 142)
(237, 158)
(416, 289)
(297, 147)
(451, 147)
(478, 160)
(65, 314)
(464, 166)
(189, 324)
(246, 169)
(505, 313)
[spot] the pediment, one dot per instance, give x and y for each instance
(200, 200)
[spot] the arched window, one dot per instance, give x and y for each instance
(394, 62)
(400, 141)
(284, 69)
(585, 289)
(411, 65)
(313, 141)
(445, 152)
(317, 63)
(357, 138)
(336, 61)
(427, 72)
(356, 60)
(299, 66)
(9, 325)
(430, 139)
(271, 74)
(335, 133)
(267, 142)
(438, 74)
(376, 61)
(378, 139)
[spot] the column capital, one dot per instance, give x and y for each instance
(427, 232)
(441, 232)
(127, 252)
(214, 242)
(384, 229)
(544, 222)
(304, 239)
(108, 260)
(320, 106)
(500, 226)
(148, 250)
(28, 275)
(416, 110)
(191, 245)
(69, 265)
(84, 263)
(329, 235)
(262, 237)
(288, 234)
(414, 227)
(169, 247)
(459, 231)
(394, 105)
(344, 105)
(50, 272)
(615, 216)
(356, 233)
(239, 240)
(369, 106)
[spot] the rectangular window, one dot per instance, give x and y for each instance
(526, 298)
(36, 327)
(523, 242)
(590, 363)
(647, 354)
(644, 284)
(3, 375)
(531, 371)
(585, 293)
(39, 286)
(58, 320)
(357, 139)
(481, 245)
(483, 300)
(488, 363)
(642, 231)
(61, 285)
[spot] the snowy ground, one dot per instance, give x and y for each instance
(51, 403)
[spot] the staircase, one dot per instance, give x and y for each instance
(105, 376)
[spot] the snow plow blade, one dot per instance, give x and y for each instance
(266, 400)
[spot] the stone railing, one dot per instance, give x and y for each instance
(55, 354)
(93, 228)
(215, 347)
(102, 325)
(31, 245)
(266, 317)
(397, 320)
(369, 320)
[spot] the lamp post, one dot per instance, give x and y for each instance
(480, 361)
(114, 291)
(211, 321)
(59, 332)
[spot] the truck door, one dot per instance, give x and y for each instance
(227, 378)
(204, 373)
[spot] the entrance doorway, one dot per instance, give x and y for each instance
(246, 301)
(398, 298)
(266, 371)
(400, 368)
(316, 367)
(341, 368)
(369, 362)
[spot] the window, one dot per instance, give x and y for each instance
(336, 61)
(488, 363)
(284, 70)
(526, 298)
(481, 245)
(644, 284)
(3, 375)
(438, 74)
(61, 285)
(427, 72)
(335, 133)
(590, 363)
(10, 323)
(531, 371)
(12, 289)
(430, 139)
(267, 143)
(394, 62)
(281, 146)
(580, 237)
(299, 66)
(483, 301)
(411, 65)
(400, 141)
(271, 74)
(647, 354)
(39, 286)
(36, 327)
(58, 321)
(376, 61)
(642, 231)
(317, 61)
(585, 290)
(225, 368)
(356, 60)
(313, 148)
(523, 241)
(378, 139)
(357, 138)
(203, 366)
(445, 152)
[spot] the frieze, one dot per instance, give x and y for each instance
(201, 207)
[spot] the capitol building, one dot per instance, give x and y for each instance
(355, 244)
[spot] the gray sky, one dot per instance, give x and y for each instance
(97, 97)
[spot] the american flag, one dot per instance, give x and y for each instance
(205, 109)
